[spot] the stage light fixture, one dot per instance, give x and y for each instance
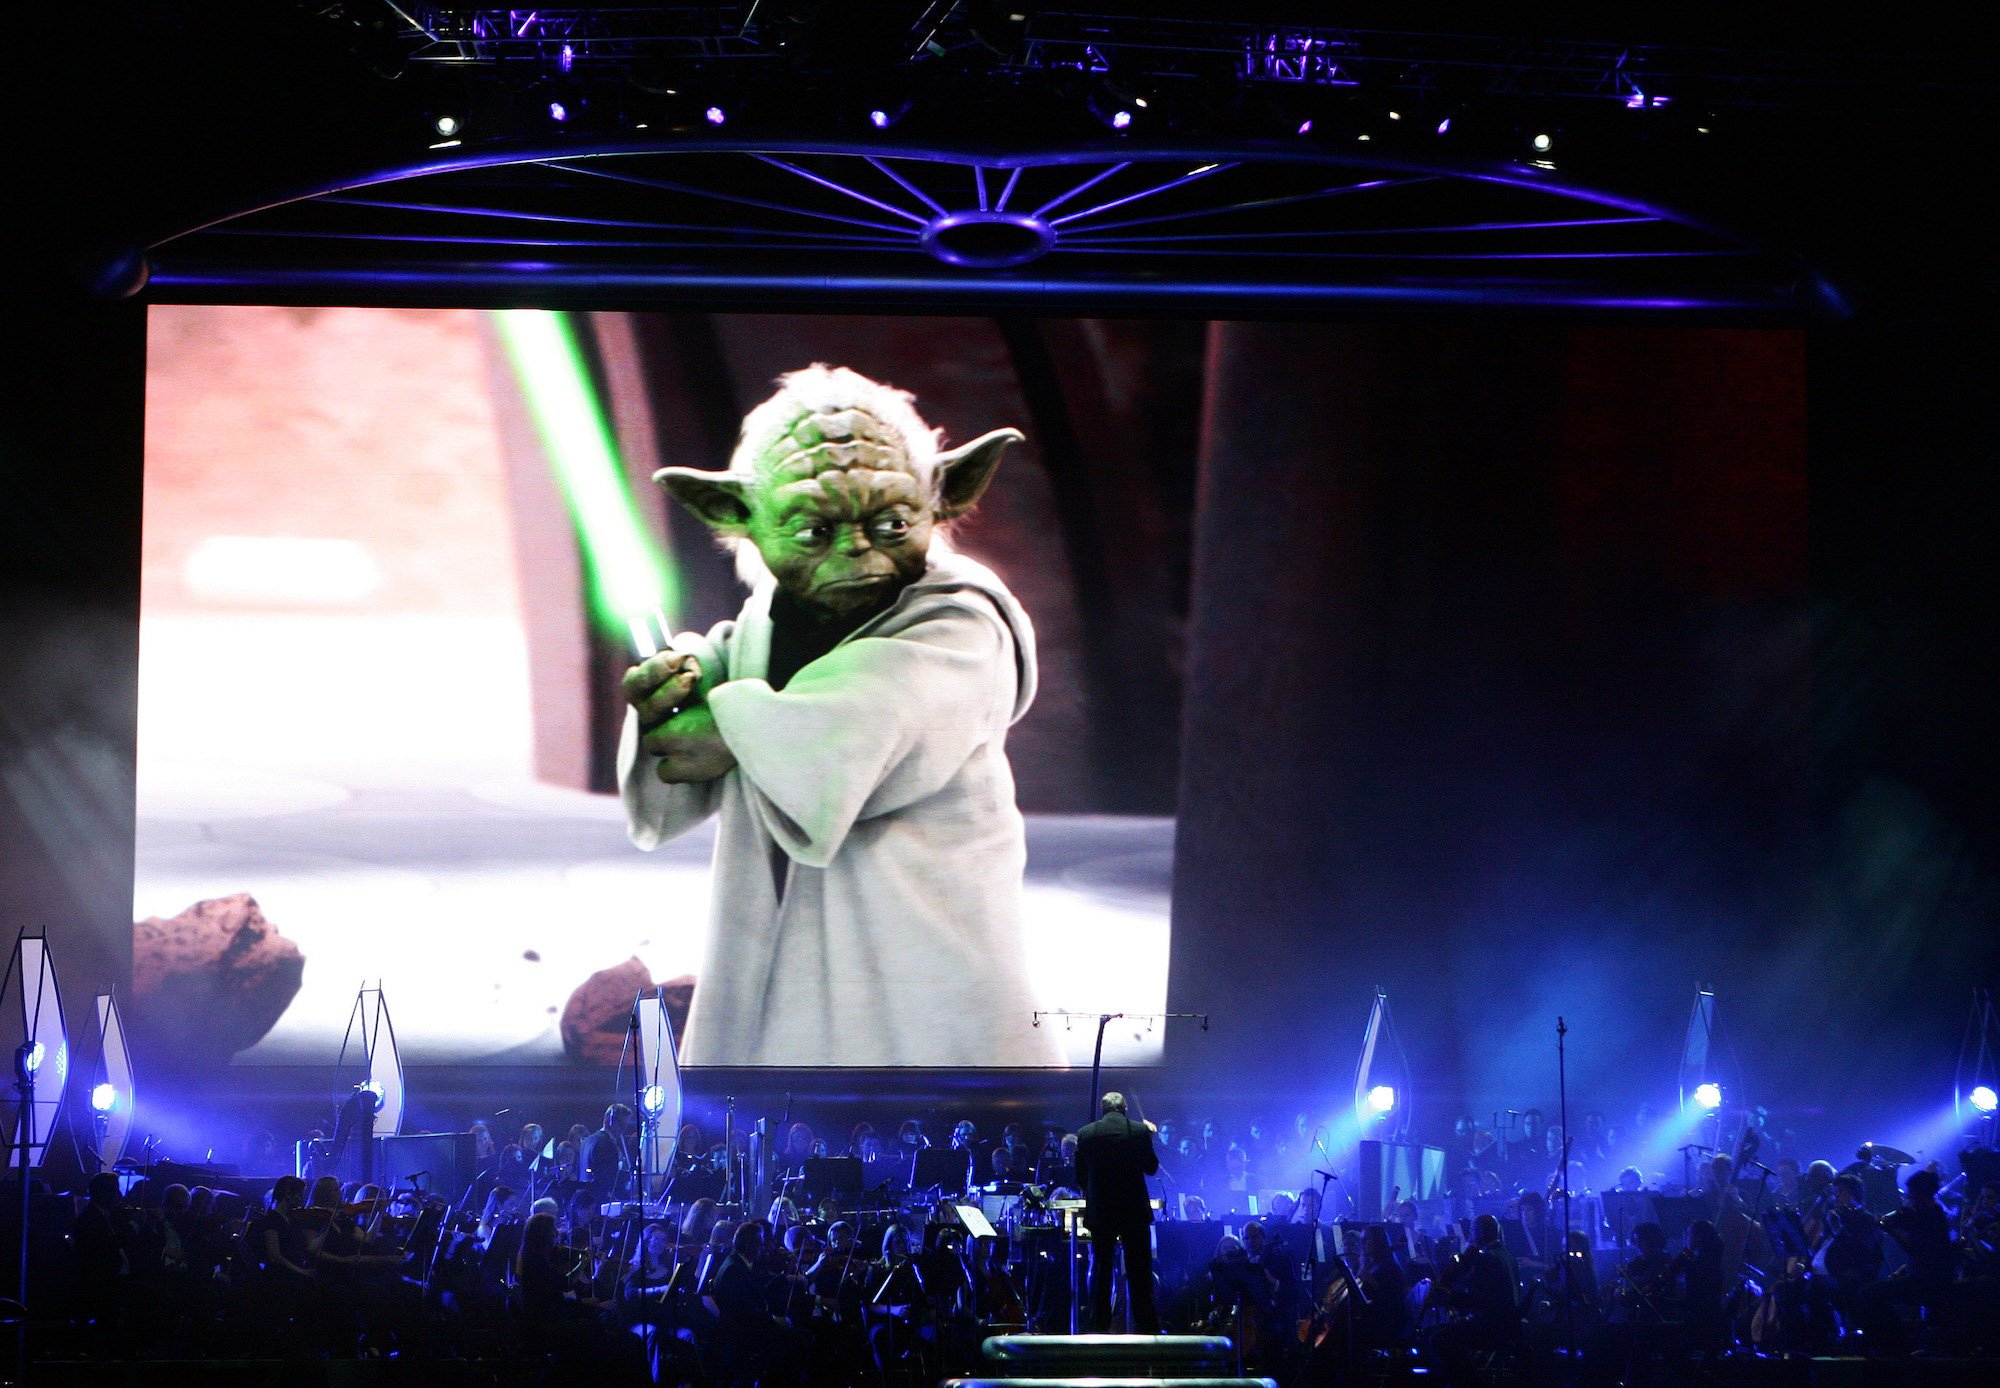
(375, 1092)
(567, 58)
(28, 1060)
(558, 112)
(1121, 120)
(115, 1095)
(1305, 127)
(1444, 125)
(447, 126)
(653, 1099)
(879, 119)
(1984, 1099)
(1708, 1095)
(1395, 115)
(715, 115)
(1382, 1081)
(1543, 143)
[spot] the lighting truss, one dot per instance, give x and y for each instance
(1219, 49)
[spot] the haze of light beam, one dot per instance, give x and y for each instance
(629, 579)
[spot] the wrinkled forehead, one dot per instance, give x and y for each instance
(850, 493)
(833, 440)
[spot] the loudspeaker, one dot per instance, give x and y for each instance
(438, 1163)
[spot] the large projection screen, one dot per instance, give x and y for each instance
(378, 699)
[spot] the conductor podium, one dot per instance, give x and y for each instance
(1108, 1361)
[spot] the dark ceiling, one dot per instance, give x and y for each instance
(1695, 157)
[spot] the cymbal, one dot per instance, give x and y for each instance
(1888, 1156)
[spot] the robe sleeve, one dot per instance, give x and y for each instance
(876, 724)
(655, 811)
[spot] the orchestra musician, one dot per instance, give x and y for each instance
(606, 1158)
(652, 1263)
(1851, 1249)
(1482, 1287)
(1646, 1282)
(1922, 1228)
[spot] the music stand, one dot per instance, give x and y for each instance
(824, 1176)
(941, 1167)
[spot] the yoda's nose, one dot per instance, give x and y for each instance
(854, 540)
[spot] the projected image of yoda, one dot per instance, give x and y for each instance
(849, 730)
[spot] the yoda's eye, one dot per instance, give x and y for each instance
(894, 527)
(815, 534)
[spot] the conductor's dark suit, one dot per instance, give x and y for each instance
(1114, 1156)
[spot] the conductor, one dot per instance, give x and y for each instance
(1114, 1156)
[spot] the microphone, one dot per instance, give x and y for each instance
(1328, 1175)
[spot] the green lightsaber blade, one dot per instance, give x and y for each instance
(631, 584)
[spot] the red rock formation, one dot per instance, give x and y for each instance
(211, 981)
(595, 1019)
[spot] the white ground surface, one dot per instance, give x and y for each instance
(379, 808)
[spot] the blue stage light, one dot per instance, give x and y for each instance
(373, 1089)
(1382, 1098)
(104, 1097)
(1984, 1099)
(653, 1099)
(1708, 1095)
(558, 112)
(715, 115)
(32, 1056)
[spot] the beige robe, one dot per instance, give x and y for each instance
(867, 873)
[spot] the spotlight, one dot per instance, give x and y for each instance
(104, 1097)
(567, 59)
(1542, 143)
(558, 112)
(1708, 1095)
(879, 119)
(715, 115)
(1444, 125)
(653, 1099)
(447, 126)
(1395, 115)
(30, 1057)
(1305, 127)
(1382, 1098)
(376, 1094)
(1984, 1099)
(1120, 120)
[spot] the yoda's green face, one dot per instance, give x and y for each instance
(836, 508)
(844, 542)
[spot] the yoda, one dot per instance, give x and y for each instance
(848, 727)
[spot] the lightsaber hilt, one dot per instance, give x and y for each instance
(650, 633)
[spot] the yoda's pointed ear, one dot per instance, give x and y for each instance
(721, 499)
(962, 474)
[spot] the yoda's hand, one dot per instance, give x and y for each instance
(690, 747)
(661, 687)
